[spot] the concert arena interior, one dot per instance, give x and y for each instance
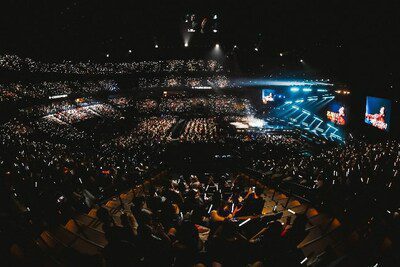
(188, 133)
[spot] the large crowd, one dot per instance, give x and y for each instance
(357, 163)
(22, 91)
(39, 166)
(122, 102)
(146, 106)
(71, 112)
(150, 130)
(50, 162)
(194, 221)
(190, 221)
(218, 81)
(357, 182)
(16, 63)
(200, 130)
(213, 105)
(75, 109)
(58, 129)
(12, 92)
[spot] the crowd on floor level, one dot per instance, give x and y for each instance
(148, 131)
(200, 130)
(222, 105)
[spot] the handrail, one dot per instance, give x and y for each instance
(88, 227)
(320, 237)
(82, 238)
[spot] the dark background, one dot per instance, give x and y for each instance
(354, 41)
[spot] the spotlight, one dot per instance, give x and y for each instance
(215, 30)
(301, 61)
(294, 89)
(186, 44)
(107, 55)
(256, 49)
(280, 54)
(156, 46)
(235, 46)
(215, 17)
(129, 51)
(217, 46)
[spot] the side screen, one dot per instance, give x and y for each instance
(268, 95)
(337, 113)
(377, 112)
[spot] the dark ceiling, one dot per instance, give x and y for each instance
(352, 40)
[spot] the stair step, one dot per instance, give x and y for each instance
(75, 241)
(87, 232)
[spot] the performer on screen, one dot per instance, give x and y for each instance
(338, 118)
(377, 120)
(268, 98)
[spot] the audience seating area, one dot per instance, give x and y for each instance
(84, 235)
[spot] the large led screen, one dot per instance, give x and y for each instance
(337, 113)
(377, 112)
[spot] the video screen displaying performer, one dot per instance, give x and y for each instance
(268, 95)
(201, 23)
(377, 112)
(337, 113)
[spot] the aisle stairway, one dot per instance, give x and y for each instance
(324, 231)
(82, 233)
